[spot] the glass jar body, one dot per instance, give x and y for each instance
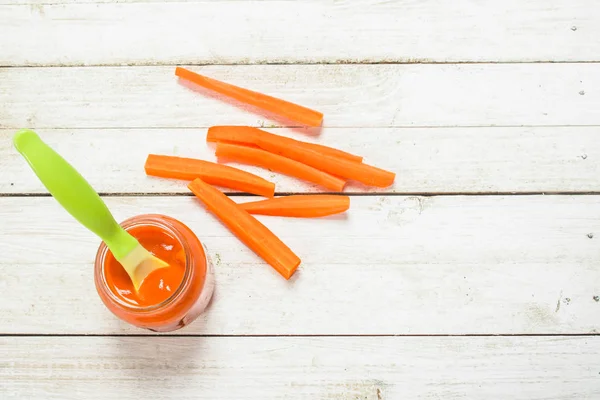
(188, 301)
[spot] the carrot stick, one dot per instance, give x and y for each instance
(216, 174)
(284, 108)
(367, 174)
(302, 206)
(247, 228)
(330, 151)
(240, 134)
(275, 162)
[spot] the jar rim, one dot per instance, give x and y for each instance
(155, 220)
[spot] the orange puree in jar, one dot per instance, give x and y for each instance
(160, 284)
(168, 298)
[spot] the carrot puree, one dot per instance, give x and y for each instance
(158, 285)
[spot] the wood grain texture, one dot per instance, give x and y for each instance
(300, 368)
(348, 95)
(233, 32)
(426, 160)
(455, 97)
(392, 265)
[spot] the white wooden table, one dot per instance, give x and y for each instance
(476, 276)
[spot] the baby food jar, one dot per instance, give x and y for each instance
(175, 243)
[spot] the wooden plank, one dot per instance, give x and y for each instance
(348, 95)
(232, 32)
(392, 265)
(530, 368)
(426, 160)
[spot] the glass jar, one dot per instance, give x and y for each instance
(186, 303)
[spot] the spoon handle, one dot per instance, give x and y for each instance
(73, 192)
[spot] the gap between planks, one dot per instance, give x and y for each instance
(192, 335)
(376, 194)
(298, 127)
(292, 63)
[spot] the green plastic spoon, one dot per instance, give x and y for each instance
(76, 196)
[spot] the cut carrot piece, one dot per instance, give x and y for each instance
(216, 174)
(302, 206)
(247, 228)
(281, 107)
(275, 162)
(367, 174)
(329, 151)
(241, 134)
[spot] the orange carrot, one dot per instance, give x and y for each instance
(302, 206)
(329, 151)
(241, 134)
(213, 173)
(274, 162)
(367, 174)
(284, 108)
(247, 228)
